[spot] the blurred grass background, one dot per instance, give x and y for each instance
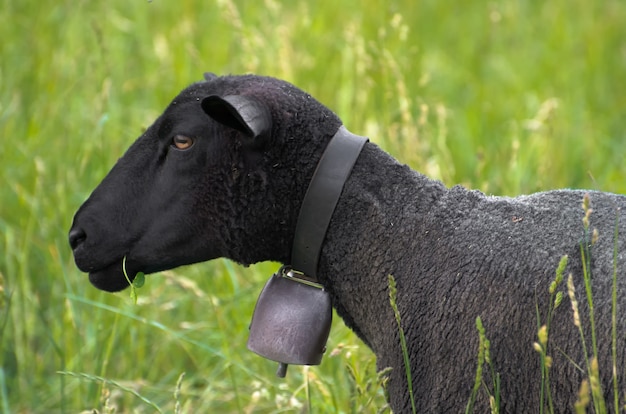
(506, 96)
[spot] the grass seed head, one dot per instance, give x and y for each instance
(595, 235)
(583, 398)
(543, 336)
(571, 291)
(558, 299)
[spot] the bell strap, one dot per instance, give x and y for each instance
(321, 199)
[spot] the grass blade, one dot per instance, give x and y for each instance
(405, 353)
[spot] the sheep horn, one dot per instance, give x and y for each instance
(243, 113)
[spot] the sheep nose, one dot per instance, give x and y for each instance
(77, 236)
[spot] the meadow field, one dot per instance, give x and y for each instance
(508, 97)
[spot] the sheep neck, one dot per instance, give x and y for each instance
(321, 198)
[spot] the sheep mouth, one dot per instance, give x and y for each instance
(111, 278)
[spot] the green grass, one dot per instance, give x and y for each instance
(393, 294)
(509, 97)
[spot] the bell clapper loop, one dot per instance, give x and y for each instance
(282, 370)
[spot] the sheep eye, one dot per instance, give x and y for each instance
(182, 142)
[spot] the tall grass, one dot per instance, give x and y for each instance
(543, 331)
(491, 390)
(508, 97)
(393, 294)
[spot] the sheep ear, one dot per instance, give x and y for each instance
(209, 76)
(243, 113)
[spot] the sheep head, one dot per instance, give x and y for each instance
(221, 173)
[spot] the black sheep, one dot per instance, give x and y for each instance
(195, 187)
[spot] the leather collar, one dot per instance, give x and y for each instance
(321, 199)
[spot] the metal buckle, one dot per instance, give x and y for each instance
(300, 277)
